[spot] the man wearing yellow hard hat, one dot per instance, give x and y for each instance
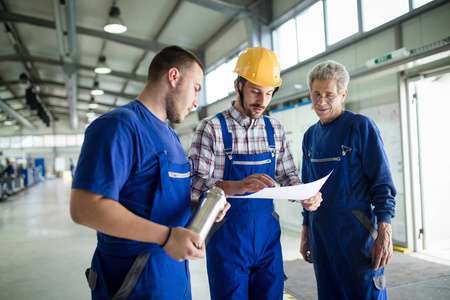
(242, 151)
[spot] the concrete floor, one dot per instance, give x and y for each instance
(43, 255)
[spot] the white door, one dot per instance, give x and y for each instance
(432, 100)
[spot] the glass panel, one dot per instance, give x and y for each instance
(419, 3)
(376, 13)
(216, 86)
(71, 140)
(285, 44)
(15, 142)
(38, 141)
(80, 139)
(49, 141)
(60, 140)
(310, 30)
(209, 88)
(27, 141)
(342, 19)
(231, 76)
(222, 87)
(4, 142)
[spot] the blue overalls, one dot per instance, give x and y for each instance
(342, 231)
(144, 270)
(244, 258)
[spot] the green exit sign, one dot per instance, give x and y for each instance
(383, 59)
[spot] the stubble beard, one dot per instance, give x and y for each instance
(173, 113)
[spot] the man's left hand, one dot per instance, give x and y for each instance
(312, 203)
(382, 249)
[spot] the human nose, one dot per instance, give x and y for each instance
(196, 102)
(322, 100)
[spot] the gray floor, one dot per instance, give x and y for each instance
(43, 255)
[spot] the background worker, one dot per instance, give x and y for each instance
(348, 242)
(241, 151)
(132, 185)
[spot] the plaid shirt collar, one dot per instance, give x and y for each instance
(241, 119)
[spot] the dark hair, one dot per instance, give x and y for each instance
(171, 57)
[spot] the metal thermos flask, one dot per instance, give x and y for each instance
(210, 204)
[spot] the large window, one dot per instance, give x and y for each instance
(303, 36)
(285, 42)
(37, 141)
(219, 82)
(230, 75)
(418, 3)
(310, 32)
(342, 19)
(376, 13)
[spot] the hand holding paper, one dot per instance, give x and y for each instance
(295, 193)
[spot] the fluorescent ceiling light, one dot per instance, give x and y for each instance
(97, 91)
(102, 67)
(92, 103)
(115, 23)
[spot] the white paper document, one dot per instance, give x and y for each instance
(296, 192)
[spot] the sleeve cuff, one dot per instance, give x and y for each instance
(384, 218)
(305, 218)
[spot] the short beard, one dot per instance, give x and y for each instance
(172, 112)
(249, 113)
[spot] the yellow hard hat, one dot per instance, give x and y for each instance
(259, 66)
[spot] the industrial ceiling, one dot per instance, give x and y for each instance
(51, 47)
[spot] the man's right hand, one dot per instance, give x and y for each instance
(305, 248)
(252, 184)
(181, 245)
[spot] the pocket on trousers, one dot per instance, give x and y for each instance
(276, 216)
(91, 277)
(379, 282)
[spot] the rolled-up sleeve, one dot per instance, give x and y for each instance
(202, 156)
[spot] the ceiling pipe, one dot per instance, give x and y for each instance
(11, 112)
(65, 27)
(71, 82)
(66, 34)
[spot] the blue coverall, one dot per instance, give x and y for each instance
(244, 258)
(131, 156)
(358, 194)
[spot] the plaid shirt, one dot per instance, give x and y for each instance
(249, 137)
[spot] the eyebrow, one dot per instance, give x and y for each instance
(258, 89)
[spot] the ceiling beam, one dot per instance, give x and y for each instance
(49, 61)
(129, 41)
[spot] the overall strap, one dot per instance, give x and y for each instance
(227, 137)
(270, 134)
(161, 153)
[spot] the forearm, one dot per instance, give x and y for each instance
(229, 187)
(110, 217)
(251, 184)
(385, 229)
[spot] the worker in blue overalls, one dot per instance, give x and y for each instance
(132, 185)
(241, 151)
(349, 238)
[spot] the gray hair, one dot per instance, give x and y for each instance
(329, 70)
